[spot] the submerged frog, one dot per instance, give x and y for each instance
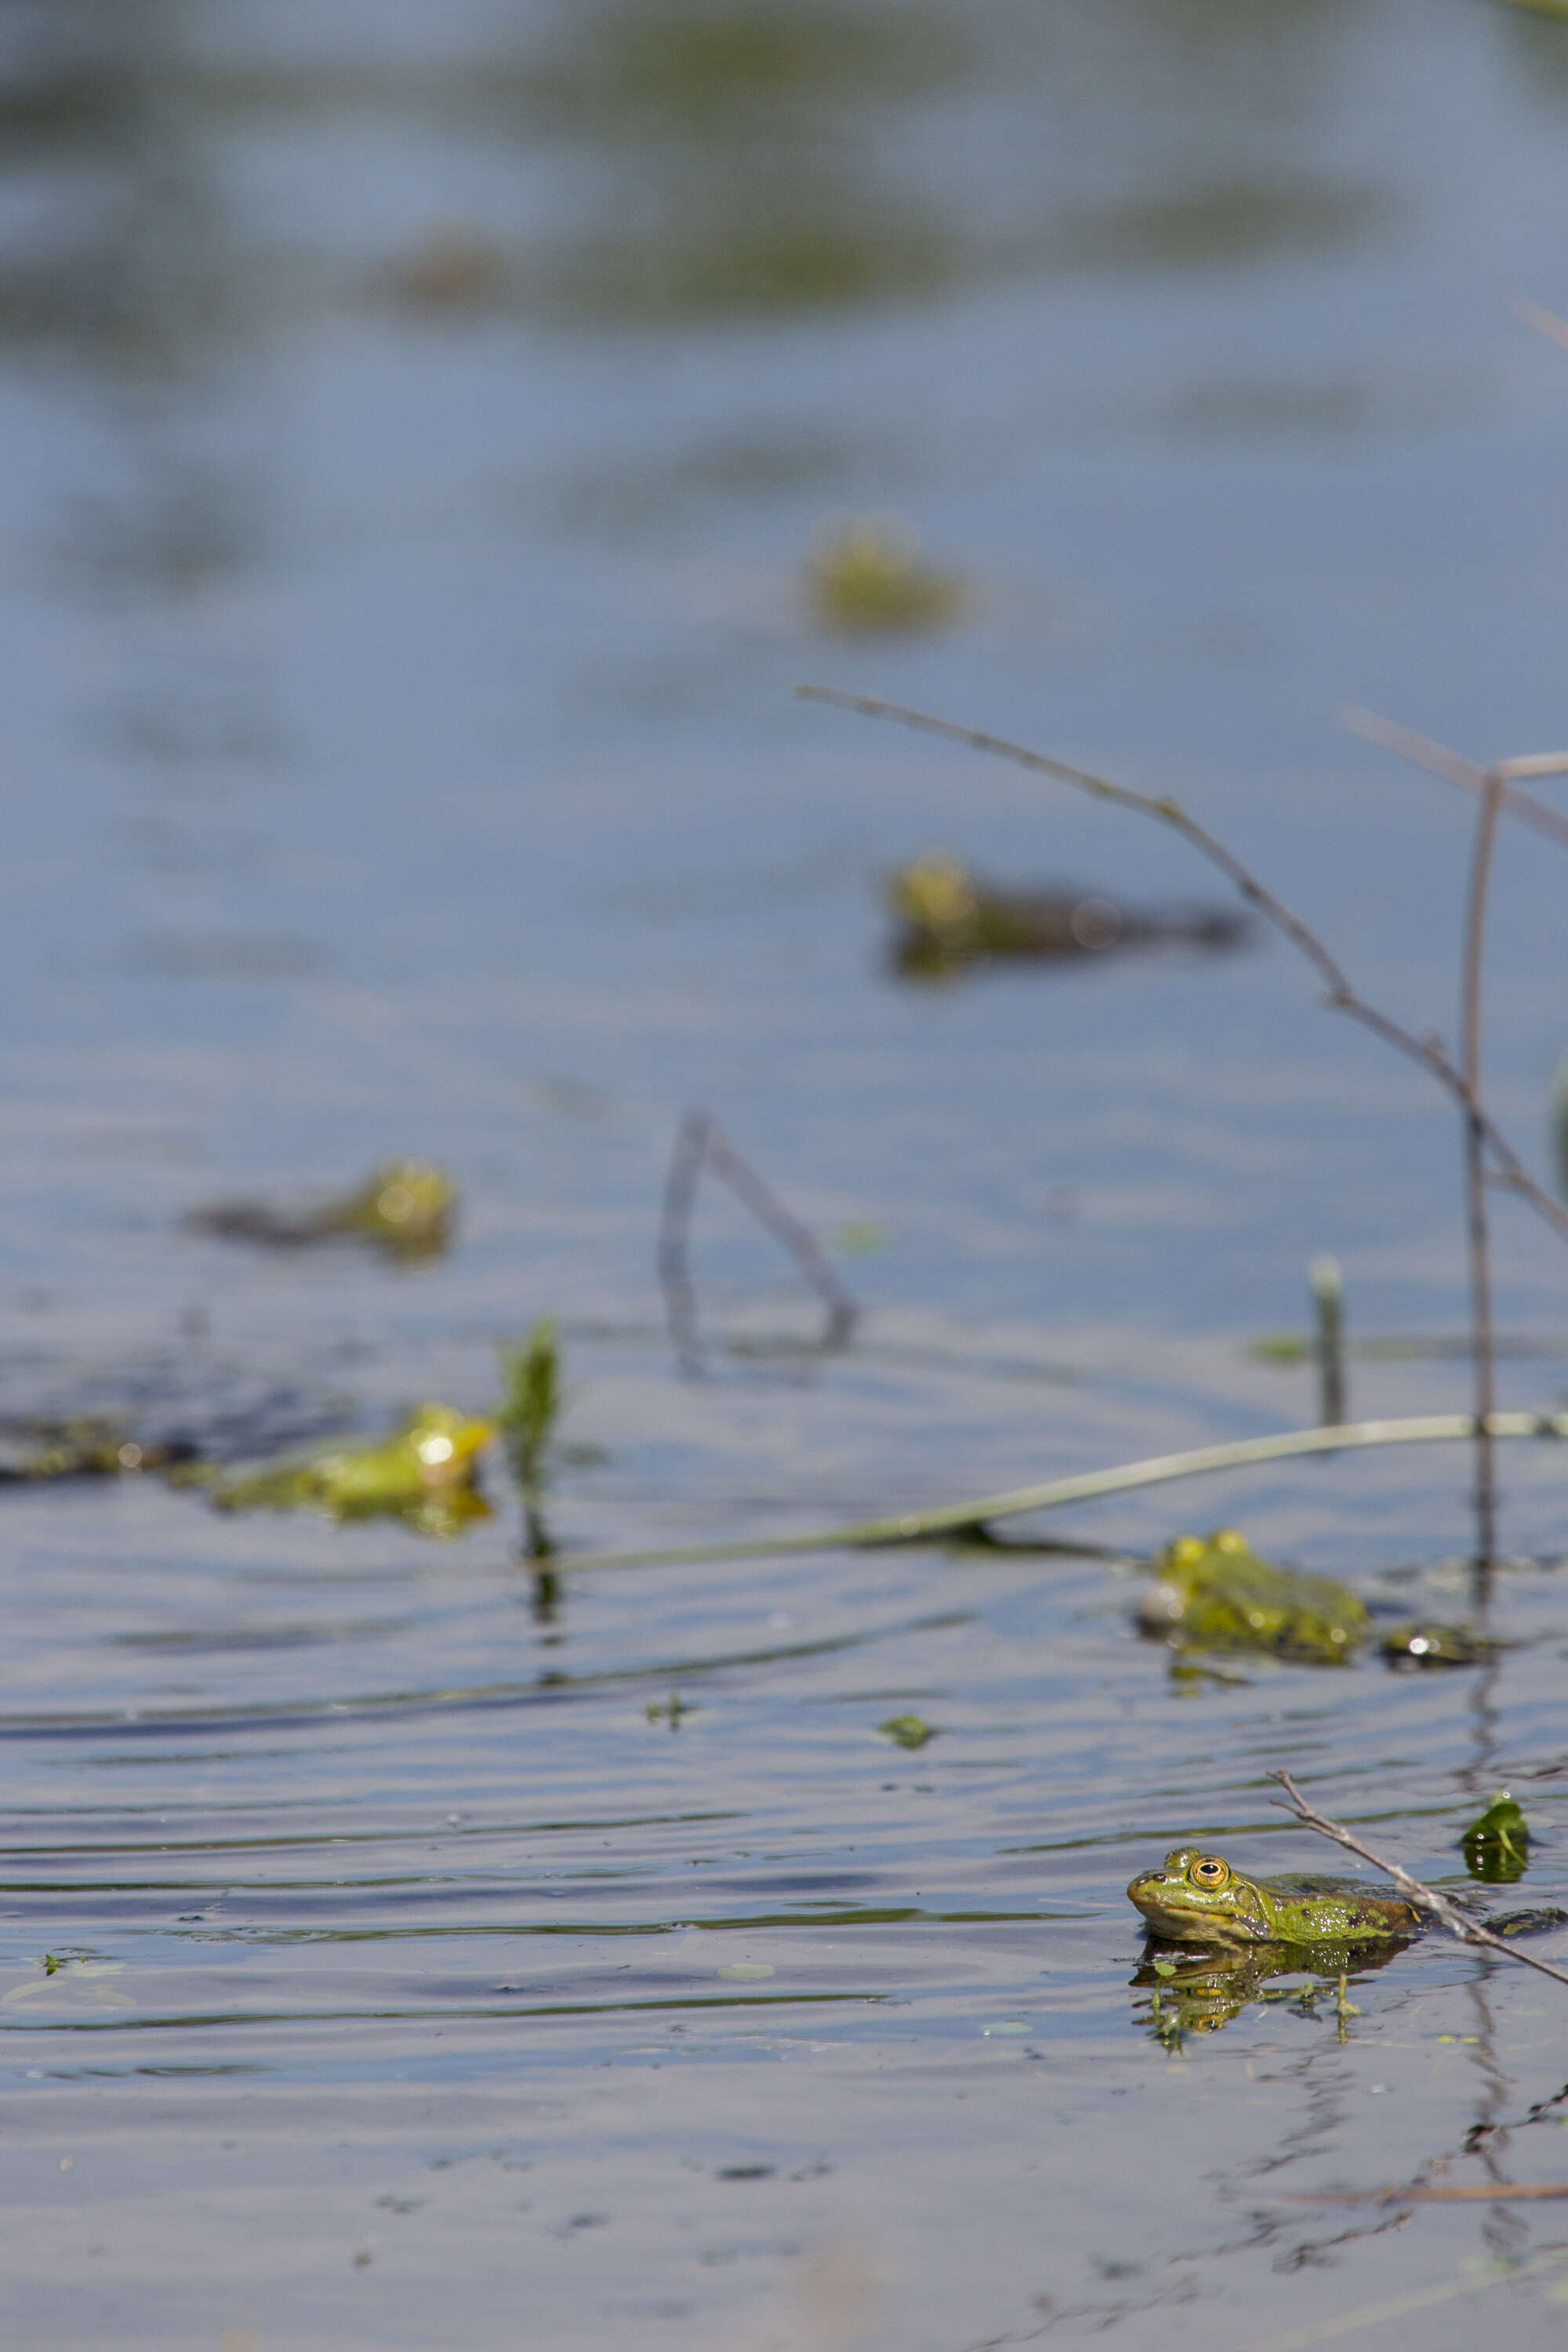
(405, 1207)
(424, 1474)
(1214, 1592)
(89, 1447)
(1198, 1899)
(869, 576)
(948, 917)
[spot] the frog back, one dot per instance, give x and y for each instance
(1302, 1907)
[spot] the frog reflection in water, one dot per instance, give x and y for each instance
(422, 1474)
(1196, 1995)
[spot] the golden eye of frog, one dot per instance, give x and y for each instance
(1198, 1899)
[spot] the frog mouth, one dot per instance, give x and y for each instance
(1183, 1923)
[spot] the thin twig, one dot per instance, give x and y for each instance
(789, 1233)
(1475, 1218)
(701, 1141)
(1341, 997)
(980, 1510)
(1425, 1898)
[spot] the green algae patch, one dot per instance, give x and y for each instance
(1214, 1592)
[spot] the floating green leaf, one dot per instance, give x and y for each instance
(909, 1730)
(1497, 1844)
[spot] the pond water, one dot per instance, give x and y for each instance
(421, 418)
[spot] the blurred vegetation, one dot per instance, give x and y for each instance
(531, 1406)
(866, 575)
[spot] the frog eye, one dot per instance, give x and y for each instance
(1210, 1873)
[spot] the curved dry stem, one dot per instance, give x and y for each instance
(1439, 760)
(981, 1511)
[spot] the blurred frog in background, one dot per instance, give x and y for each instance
(405, 1207)
(425, 1474)
(1214, 1592)
(949, 918)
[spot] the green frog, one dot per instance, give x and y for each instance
(424, 1474)
(869, 576)
(405, 1207)
(948, 919)
(1213, 1592)
(1198, 1899)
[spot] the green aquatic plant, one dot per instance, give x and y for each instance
(1496, 1845)
(669, 1710)
(1213, 1592)
(868, 576)
(906, 1730)
(532, 1401)
(424, 1474)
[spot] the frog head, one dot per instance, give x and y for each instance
(1198, 1896)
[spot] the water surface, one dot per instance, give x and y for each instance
(422, 419)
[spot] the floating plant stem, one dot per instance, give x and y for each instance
(962, 1518)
